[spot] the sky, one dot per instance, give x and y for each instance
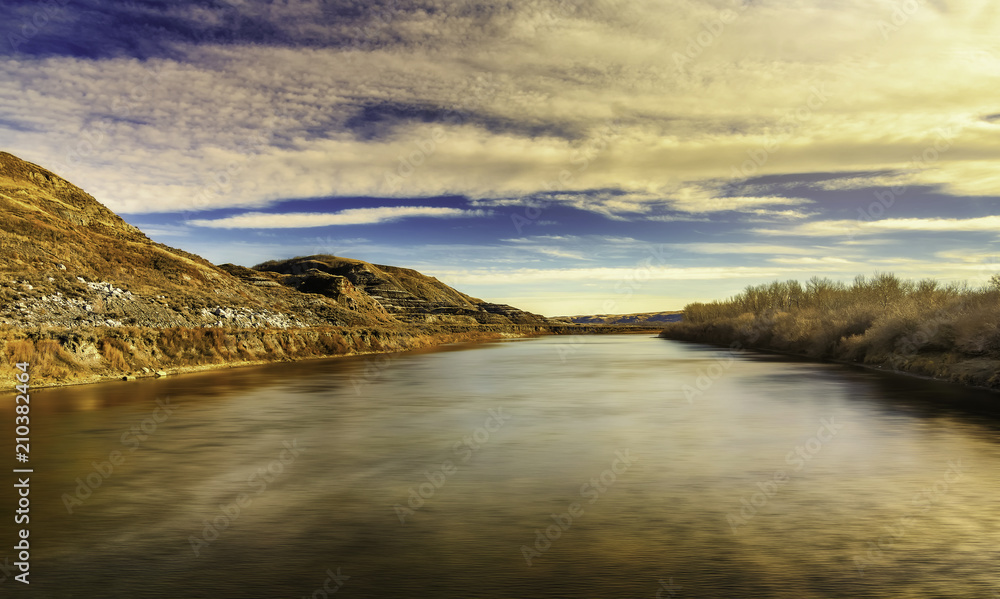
(605, 156)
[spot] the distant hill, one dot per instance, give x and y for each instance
(652, 319)
(402, 293)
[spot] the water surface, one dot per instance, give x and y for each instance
(601, 466)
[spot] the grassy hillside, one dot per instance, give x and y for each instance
(52, 226)
(950, 331)
(85, 296)
(62, 253)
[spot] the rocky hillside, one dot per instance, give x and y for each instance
(67, 261)
(85, 296)
(405, 294)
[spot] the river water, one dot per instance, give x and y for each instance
(592, 466)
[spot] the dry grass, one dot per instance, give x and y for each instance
(113, 356)
(47, 359)
(878, 320)
(333, 344)
(20, 351)
(128, 349)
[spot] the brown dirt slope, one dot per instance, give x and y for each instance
(86, 296)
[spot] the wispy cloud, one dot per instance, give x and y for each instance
(748, 248)
(527, 275)
(809, 261)
(835, 228)
(705, 204)
(356, 216)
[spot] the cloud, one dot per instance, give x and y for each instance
(354, 216)
(808, 261)
(677, 218)
(195, 106)
(780, 214)
(748, 248)
(966, 178)
(558, 252)
(528, 275)
(543, 238)
(574, 247)
(835, 228)
(706, 204)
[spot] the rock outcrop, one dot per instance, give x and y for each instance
(405, 294)
(85, 296)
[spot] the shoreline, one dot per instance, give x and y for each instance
(857, 364)
(398, 342)
(128, 377)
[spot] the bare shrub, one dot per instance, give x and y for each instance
(879, 315)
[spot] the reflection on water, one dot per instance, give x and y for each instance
(621, 467)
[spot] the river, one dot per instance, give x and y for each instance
(591, 466)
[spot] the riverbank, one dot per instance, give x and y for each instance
(923, 362)
(948, 332)
(61, 357)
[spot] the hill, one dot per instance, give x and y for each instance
(643, 319)
(86, 295)
(403, 293)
